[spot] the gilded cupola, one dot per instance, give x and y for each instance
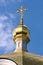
(21, 31)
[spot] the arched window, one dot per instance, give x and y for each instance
(7, 62)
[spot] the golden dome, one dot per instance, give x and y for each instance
(21, 31)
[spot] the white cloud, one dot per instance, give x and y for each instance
(3, 17)
(7, 17)
(1, 25)
(6, 26)
(5, 2)
(11, 15)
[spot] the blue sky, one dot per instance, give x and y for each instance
(9, 19)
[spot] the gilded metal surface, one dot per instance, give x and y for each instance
(21, 10)
(24, 58)
(21, 32)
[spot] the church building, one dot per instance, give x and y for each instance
(21, 56)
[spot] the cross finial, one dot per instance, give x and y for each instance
(21, 10)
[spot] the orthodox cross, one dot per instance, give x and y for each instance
(21, 10)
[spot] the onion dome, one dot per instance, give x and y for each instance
(21, 31)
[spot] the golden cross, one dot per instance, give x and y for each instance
(21, 10)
